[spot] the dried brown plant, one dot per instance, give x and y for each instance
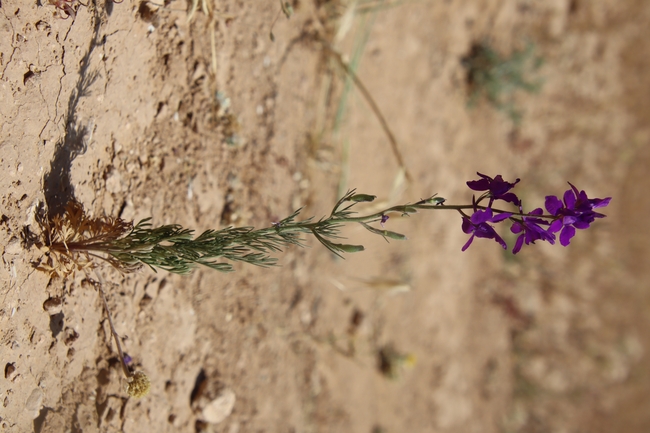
(73, 241)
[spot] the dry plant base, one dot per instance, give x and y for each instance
(75, 241)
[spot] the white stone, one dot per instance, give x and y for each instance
(220, 408)
(34, 402)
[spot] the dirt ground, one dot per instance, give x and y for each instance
(136, 111)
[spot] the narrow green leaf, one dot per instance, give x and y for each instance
(221, 267)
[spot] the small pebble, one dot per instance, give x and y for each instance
(53, 306)
(10, 370)
(34, 402)
(220, 408)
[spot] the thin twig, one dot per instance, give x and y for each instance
(373, 106)
(125, 369)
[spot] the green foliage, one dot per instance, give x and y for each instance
(76, 241)
(497, 78)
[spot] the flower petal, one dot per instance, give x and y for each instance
(518, 244)
(569, 220)
(516, 228)
(555, 226)
(469, 242)
(485, 231)
(581, 225)
(567, 233)
(481, 216)
(570, 198)
(467, 226)
(500, 240)
(600, 202)
(553, 204)
(510, 197)
(501, 217)
(479, 185)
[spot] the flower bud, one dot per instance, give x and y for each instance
(363, 198)
(393, 235)
(349, 248)
(385, 233)
(435, 200)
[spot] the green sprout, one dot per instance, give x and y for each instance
(497, 78)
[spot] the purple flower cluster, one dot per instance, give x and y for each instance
(496, 189)
(478, 226)
(576, 211)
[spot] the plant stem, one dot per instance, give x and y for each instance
(125, 369)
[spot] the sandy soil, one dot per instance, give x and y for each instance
(118, 108)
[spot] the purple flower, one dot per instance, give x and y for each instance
(498, 188)
(384, 218)
(531, 230)
(577, 212)
(478, 226)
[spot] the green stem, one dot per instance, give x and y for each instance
(402, 208)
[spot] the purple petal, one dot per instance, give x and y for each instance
(469, 242)
(467, 226)
(479, 185)
(545, 235)
(567, 233)
(516, 228)
(500, 240)
(510, 197)
(582, 196)
(569, 220)
(570, 199)
(553, 204)
(482, 216)
(555, 226)
(518, 244)
(485, 231)
(598, 202)
(581, 225)
(501, 217)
